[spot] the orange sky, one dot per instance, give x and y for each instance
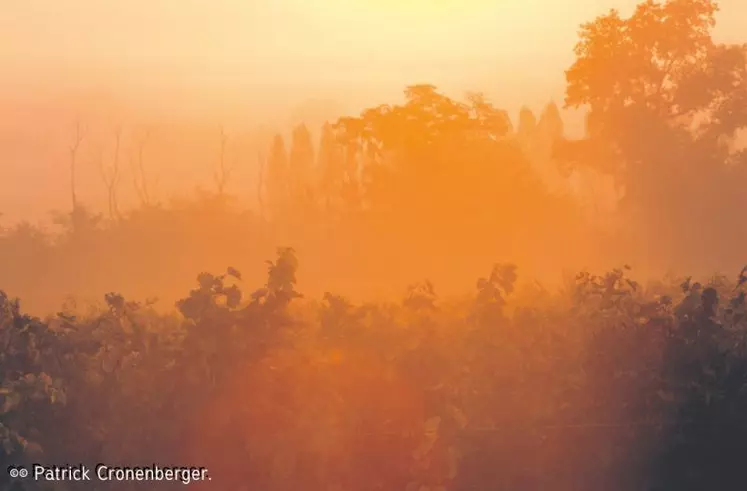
(224, 59)
(268, 46)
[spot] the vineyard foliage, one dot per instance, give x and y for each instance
(602, 385)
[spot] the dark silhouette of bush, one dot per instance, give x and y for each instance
(606, 386)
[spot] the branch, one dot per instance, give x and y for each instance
(261, 182)
(111, 175)
(137, 167)
(223, 173)
(79, 135)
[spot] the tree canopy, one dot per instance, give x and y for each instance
(665, 103)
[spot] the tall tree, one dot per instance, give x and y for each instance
(415, 147)
(527, 127)
(301, 164)
(330, 168)
(548, 132)
(658, 74)
(140, 177)
(550, 125)
(663, 98)
(74, 150)
(277, 176)
(223, 169)
(111, 176)
(261, 140)
(440, 169)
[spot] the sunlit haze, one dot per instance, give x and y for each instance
(185, 69)
(366, 245)
(264, 62)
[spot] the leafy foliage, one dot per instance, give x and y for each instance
(665, 103)
(425, 394)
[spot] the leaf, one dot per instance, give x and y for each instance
(233, 296)
(11, 401)
(59, 396)
(233, 272)
(205, 280)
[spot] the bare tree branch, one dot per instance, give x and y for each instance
(261, 183)
(111, 176)
(223, 173)
(137, 167)
(79, 134)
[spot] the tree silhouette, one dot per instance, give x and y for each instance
(301, 164)
(111, 176)
(330, 168)
(436, 165)
(550, 125)
(659, 68)
(261, 170)
(527, 127)
(140, 178)
(223, 170)
(663, 101)
(277, 177)
(79, 135)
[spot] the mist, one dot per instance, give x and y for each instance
(353, 246)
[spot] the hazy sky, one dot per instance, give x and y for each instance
(217, 58)
(273, 45)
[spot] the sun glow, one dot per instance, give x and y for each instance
(424, 8)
